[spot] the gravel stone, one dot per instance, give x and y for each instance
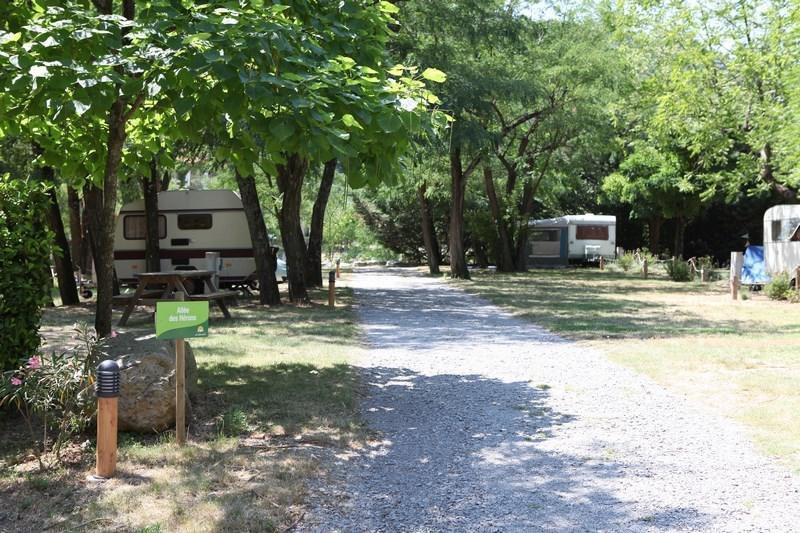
(490, 423)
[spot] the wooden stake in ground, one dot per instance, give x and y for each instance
(107, 392)
(338, 272)
(602, 263)
(180, 386)
(737, 260)
(644, 268)
(331, 289)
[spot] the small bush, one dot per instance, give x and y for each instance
(779, 287)
(55, 390)
(233, 423)
(678, 270)
(625, 261)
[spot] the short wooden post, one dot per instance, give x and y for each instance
(644, 268)
(331, 289)
(338, 272)
(602, 263)
(107, 391)
(737, 260)
(180, 386)
(703, 275)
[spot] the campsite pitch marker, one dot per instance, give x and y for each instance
(181, 320)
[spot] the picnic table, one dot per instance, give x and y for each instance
(154, 286)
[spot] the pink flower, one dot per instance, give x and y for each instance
(34, 363)
(16, 381)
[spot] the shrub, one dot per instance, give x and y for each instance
(55, 390)
(779, 287)
(25, 259)
(678, 270)
(625, 261)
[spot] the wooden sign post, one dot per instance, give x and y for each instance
(180, 320)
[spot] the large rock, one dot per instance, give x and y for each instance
(147, 382)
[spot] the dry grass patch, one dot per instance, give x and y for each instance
(740, 359)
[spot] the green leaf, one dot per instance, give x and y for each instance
(281, 129)
(434, 75)
(351, 122)
(388, 7)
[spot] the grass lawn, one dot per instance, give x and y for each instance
(741, 359)
(277, 395)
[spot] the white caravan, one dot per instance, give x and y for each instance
(190, 223)
(782, 239)
(572, 239)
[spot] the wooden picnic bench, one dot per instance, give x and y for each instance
(169, 283)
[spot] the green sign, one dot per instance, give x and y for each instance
(181, 320)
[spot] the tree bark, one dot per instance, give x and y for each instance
(61, 253)
(265, 263)
(101, 206)
(680, 230)
(87, 255)
(428, 230)
(525, 211)
(152, 251)
(458, 185)
(313, 274)
(505, 259)
(75, 229)
(654, 230)
(290, 184)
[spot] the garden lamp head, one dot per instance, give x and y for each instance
(107, 385)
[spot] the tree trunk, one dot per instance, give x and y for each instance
(428, 230)
(152, 251)
(505, 259)
(101, 206)
(163, 184)
(458, 185)
(654, 230)
(313, 274)
(75, 229)
(481, 257)
(87, 255)
(61, 254)
(680, 229)
(290, 184)
(525, 211)
(265, 263)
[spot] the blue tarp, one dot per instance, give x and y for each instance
(754, 270)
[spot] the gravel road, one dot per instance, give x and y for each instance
(489, 423)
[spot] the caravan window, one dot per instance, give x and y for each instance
(134, 227)
(195, 221)
(783, 230)
(591, 233)
(545, 235)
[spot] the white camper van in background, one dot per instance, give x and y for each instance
(571, 239)
(190, 223)
(782, 239)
